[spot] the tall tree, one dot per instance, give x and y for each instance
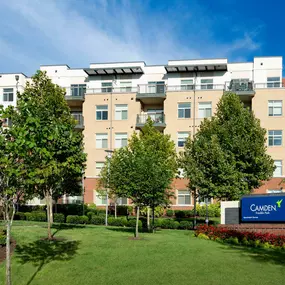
(143, 171)
(227, 158)
(55, 148)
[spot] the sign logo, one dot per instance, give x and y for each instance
(279, 203)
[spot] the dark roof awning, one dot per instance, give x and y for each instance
(114, 70)
(199, 67)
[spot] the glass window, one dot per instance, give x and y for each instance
(207, 84)
(101, 140)
(205, 110)
(106, 87)
(78, 90)
(184, 197)
(184, 110)
(187, 84)
(102, 112)
(101, 199)
(275, 108)
(126, 86)
(8, 94)
(274, 191)
(121, 140)
(181, 138)
(273, 82)
(99, 166)
(278, 168)
(275, 138)
(122, 201)
(121, 112)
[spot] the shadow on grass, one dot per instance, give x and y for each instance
(131, 230)
(275, 256)
(61, 227)
(42, 252)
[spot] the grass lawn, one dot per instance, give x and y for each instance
(96, 255)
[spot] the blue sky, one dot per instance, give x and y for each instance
(79, 32)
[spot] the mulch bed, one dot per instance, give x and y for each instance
(3, 250)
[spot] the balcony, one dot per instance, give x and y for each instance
(243, 88)
(192, 87)
(109, 90)
(269, 84)
(151, 93)
(79, 120)
(157, 118)
(75, 96)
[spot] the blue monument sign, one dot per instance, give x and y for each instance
(264, 208)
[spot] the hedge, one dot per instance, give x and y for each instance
(36, 216)
(255, 239)
(74, 219)
(58, 218)
(97, 220)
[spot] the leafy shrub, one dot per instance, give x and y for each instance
(179, 214)
(130, 210)
(89, 215)
(20, 216)
(158, 223)
(2, 237)
(165, 223)
(185, 225)
(58, 218)
(97, 220)
(119, 222)
(74, 219)
(189, 213)
(36, 216)
(213, 210)
(158, 211)
(203, 236)
(169, 213)
(173, 225)
(132, 223)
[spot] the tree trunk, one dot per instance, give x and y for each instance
(115, 208)
(51, 210)
(48, 215)
(153, 229)
(137, 222)
(195, 209)
(148, 222)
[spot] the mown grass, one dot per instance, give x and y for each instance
(98, 255)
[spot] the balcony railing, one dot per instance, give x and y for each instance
(75, 94)
(151, 89)
(157, 118)
(239, 86)
(111, 90)
(79, 120)
(190, 87)
(269, 84)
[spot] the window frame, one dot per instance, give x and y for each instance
(101, 140)
(200, 104)
(78, 90)
(123, 138)
(271, 105)
(127, 88)
(7, 94)
(106, 87)
(119, 201)
(187, 85)
(278, 166)
(101, 112)
(97, 197)
(207, 85)
(96, 168)
(184, 195)
(183, 109)
(273, 137)
(119, 111)
(181, 138)
(276, 83)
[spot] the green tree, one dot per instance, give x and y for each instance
(143, 171)
(227, 158)
(56, 158)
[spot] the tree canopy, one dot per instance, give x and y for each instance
(227, 158)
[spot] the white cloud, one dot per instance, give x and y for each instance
(59, 32)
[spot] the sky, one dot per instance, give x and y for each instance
(80, 32)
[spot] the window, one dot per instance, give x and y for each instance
(121, 140)
(184, 197)
(184, 110)
(106, 87)
(181, 138)
(126, 86)
(278, 168)
(156, 87)
(8, 94)
(207, 84)
(187, 84)
(7, 122)
(121, 112)
(122, 201)
(101, 140)
(102, 112)
(273, 82)
(78, 90)
(99, 166)
(274, 191)
(275, 108)
(275, 138)
(205, 110)
(101, 199)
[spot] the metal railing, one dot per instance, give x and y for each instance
(273, 84)
(73, 94)
(111, 90)
(79, 120)
(238, 86)
(157, 118)
(190, 87)
(151, 89)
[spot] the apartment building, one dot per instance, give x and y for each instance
(115, 99)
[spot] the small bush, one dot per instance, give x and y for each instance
(203, 236)
(132, 223)
(20, 216)
(169, 213)
(36, 216)
(185, 225)
(165, 223)
(119, 222)
(158, 223)
(58, 218)
(83, 220)
(173, 225)
(179, 214)
(97, 220)
(74, 219)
